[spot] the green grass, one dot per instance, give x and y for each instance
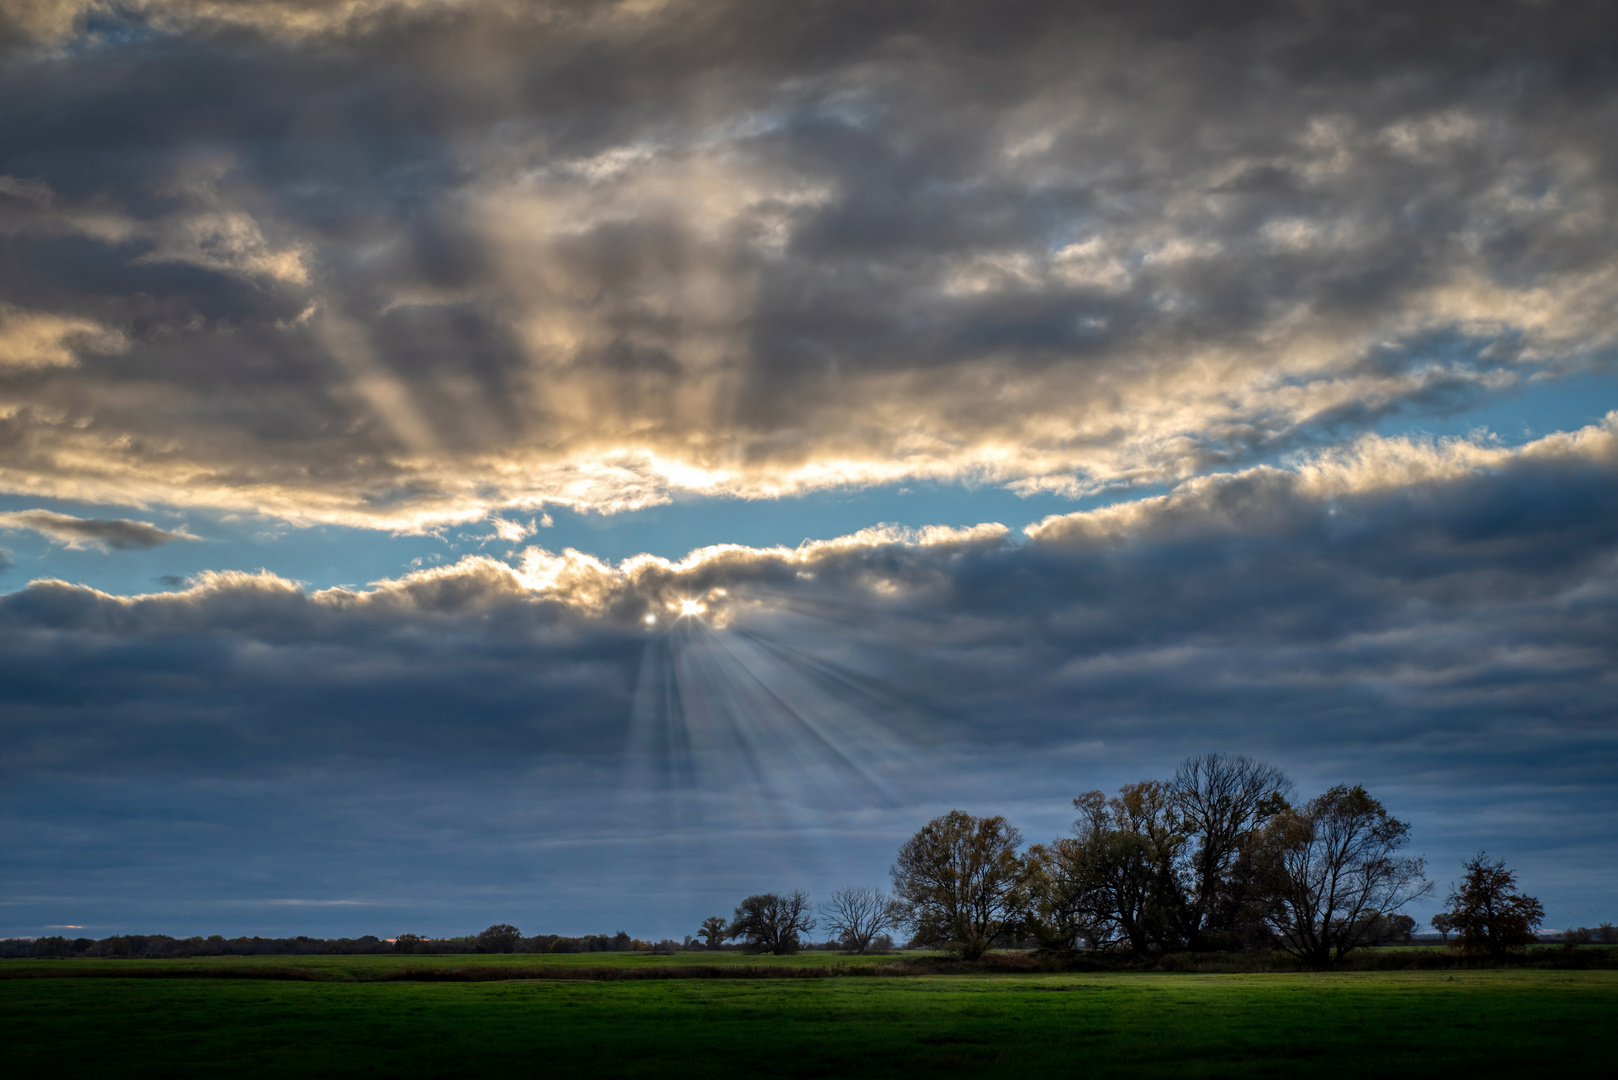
(1497, 1022)
(369, 967)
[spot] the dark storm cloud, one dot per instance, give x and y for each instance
(397, 263)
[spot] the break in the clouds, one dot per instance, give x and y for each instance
(396, 264)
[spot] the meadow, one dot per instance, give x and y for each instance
(351, 1015)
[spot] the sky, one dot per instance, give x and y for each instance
(577, 464)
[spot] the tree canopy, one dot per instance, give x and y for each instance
(1491, 916)
(960, 878)
(771, 922)
(1332, 867)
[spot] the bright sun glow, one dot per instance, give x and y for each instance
(691, 607)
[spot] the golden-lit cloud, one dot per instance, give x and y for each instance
(407, 263)
(37, 339)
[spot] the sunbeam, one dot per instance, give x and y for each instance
(765, 726)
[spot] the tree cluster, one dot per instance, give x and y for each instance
(1217, 857)
(500, 938)
(156, 946)
(504, 938)
(778, 923)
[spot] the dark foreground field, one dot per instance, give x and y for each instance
(1360, 1024)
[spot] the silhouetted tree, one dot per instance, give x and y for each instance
(960, 878)
(714, 931)
(1221, 802)
(858, 915)
(1330, 868)
(1057, 905)
(53, 947)
(1162, 866)
(1490, 915)
(1125, 867)
(1443, 922)
(500, 938)
(1388, 930)
(406, 943)
(771, 922)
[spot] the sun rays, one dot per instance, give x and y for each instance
(778, 724)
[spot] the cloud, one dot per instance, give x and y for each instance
(1347, 555)
(1447, 639)
(511, 531)
(75, 532)
(51, 22)
(409, 263)
(32, 339)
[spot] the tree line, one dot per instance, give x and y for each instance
(1218, 857)
(500, 938)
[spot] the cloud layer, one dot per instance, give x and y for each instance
(1436, 620)
(400, 263)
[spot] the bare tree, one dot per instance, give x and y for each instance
(1332, 868)
(858, 915)
(1221, 802)
(771, 923)
(1490, 914)
(960, 878)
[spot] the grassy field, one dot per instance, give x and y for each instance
(1360, 1024)
(365, 968)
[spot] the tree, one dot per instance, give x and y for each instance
(960, 878)
(1443, 922)
(1057, 906)
(407, 943)
(771, 923)
(1330, 868)
(858, 915)
(1124, 867)
(714, 931)
(500, 938)
(1389, 930)
(1490, 915)
(1221, 802)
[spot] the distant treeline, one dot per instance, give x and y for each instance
(494, 940)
